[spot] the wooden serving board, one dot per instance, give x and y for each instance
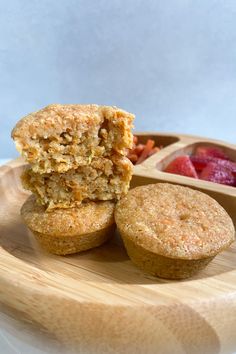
(98, 301)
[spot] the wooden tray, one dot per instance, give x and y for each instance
(98, 301)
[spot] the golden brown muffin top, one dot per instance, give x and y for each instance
(56, 118)
(87, 218)
(174, 221)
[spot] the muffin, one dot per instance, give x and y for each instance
(62, 137)
(72, 230)
(77, 170)
(172, 231)
(103, 179)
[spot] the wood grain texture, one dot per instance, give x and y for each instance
(98, 301)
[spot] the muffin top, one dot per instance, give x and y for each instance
(88, 217)
(56, 118)
(174, 221)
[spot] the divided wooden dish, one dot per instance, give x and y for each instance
(98, 301)
(151, 170)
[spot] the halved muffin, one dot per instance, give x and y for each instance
(102, 179)
(62, 137)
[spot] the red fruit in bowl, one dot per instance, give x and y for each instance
(183, 166)
(211, 152)
(200, 162)
(218, 174)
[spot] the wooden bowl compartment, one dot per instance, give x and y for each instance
(190, 150)
(160, 139)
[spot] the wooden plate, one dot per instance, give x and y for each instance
(98, 301)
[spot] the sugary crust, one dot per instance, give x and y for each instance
(55, 118)
(89, 217)
(174, 221)
(61, 137)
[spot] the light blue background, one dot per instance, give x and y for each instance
(171, 62)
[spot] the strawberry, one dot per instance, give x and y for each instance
(182, 165)
(211, 151)
(213, 172)
(200, 162)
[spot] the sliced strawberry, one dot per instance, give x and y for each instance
(211, 151)
(218, 174)
(200, 162)
(228, 164)
(182, 165)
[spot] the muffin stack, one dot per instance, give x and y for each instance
(77, 170)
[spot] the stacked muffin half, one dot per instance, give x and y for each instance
(77, 170)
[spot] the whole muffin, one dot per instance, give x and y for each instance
(172, 231)
(72, 230)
